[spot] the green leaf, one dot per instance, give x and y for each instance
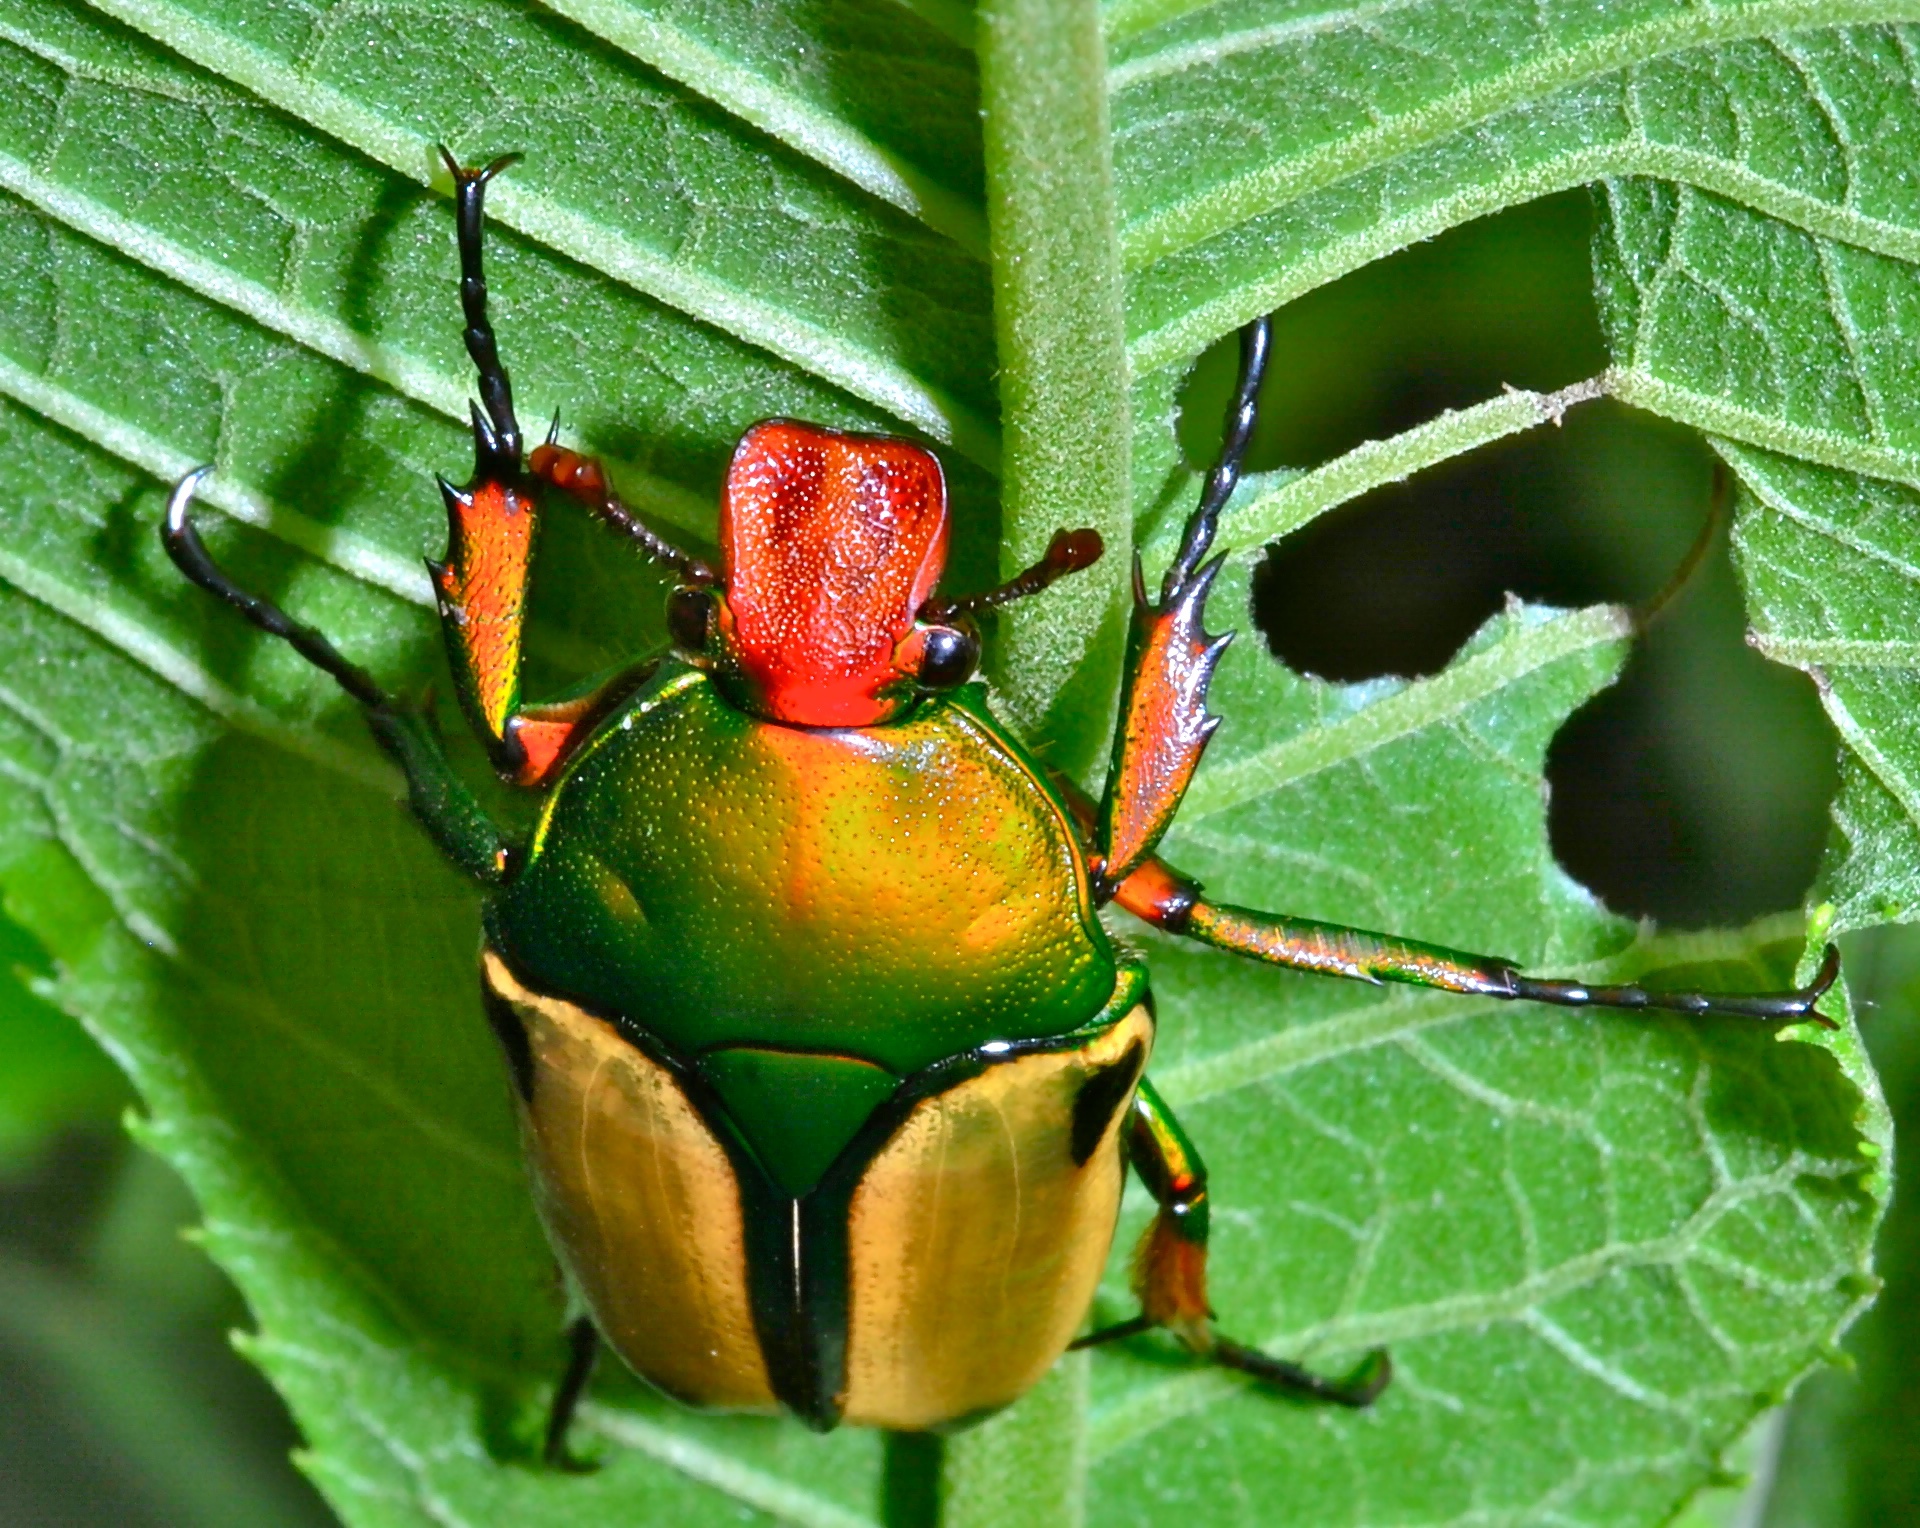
(1719, 315)
(1597, 1246)
(1837, 1463)
(55, 1077)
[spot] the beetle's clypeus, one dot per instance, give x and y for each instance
(827, 1071)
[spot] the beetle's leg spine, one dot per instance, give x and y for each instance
(439, 798)
(1164, 727)
(1170, 1265)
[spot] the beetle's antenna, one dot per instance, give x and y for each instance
(496, 434)
(191, 557)
(1068, 552)
(1256, 341)
(583, 478)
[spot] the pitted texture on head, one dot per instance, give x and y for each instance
(832, 543)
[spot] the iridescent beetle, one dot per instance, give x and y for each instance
(826, 1069)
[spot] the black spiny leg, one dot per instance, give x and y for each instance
(442, 802)
(583, 1347)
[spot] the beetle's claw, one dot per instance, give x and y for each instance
(566, 1462)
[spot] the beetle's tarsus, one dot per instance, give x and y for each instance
(445, 808)
(1800, 1004)
(497, 438)
(583, 1348)
(1256, 343)
(1358, 1390)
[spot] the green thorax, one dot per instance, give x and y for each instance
(899, 894)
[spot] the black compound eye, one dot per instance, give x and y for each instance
(948, 657)
(690, 617)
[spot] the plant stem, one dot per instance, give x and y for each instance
(1027, 1467)
(1063, 370)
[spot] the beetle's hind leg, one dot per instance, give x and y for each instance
(1170, 1267)
(1163, 897)
(439, 798)
(583, 1348)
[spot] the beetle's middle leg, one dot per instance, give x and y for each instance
(1160, 895)
(1170, 1265)
(583, 1348)
(454, 820)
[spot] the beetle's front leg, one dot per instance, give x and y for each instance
(1164, 726)
(493, 525)
(440, 799)
(1170, 1265)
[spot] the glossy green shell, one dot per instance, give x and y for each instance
(896, 894)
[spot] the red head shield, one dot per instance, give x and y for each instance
(831, 543)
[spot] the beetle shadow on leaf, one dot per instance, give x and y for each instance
(318, 478)
(325, 989)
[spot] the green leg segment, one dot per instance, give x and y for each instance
(1170, 1266)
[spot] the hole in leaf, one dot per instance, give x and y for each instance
(1694, 790)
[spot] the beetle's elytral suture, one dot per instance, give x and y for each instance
(1164, 726)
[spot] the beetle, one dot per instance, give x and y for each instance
(827, 1072)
